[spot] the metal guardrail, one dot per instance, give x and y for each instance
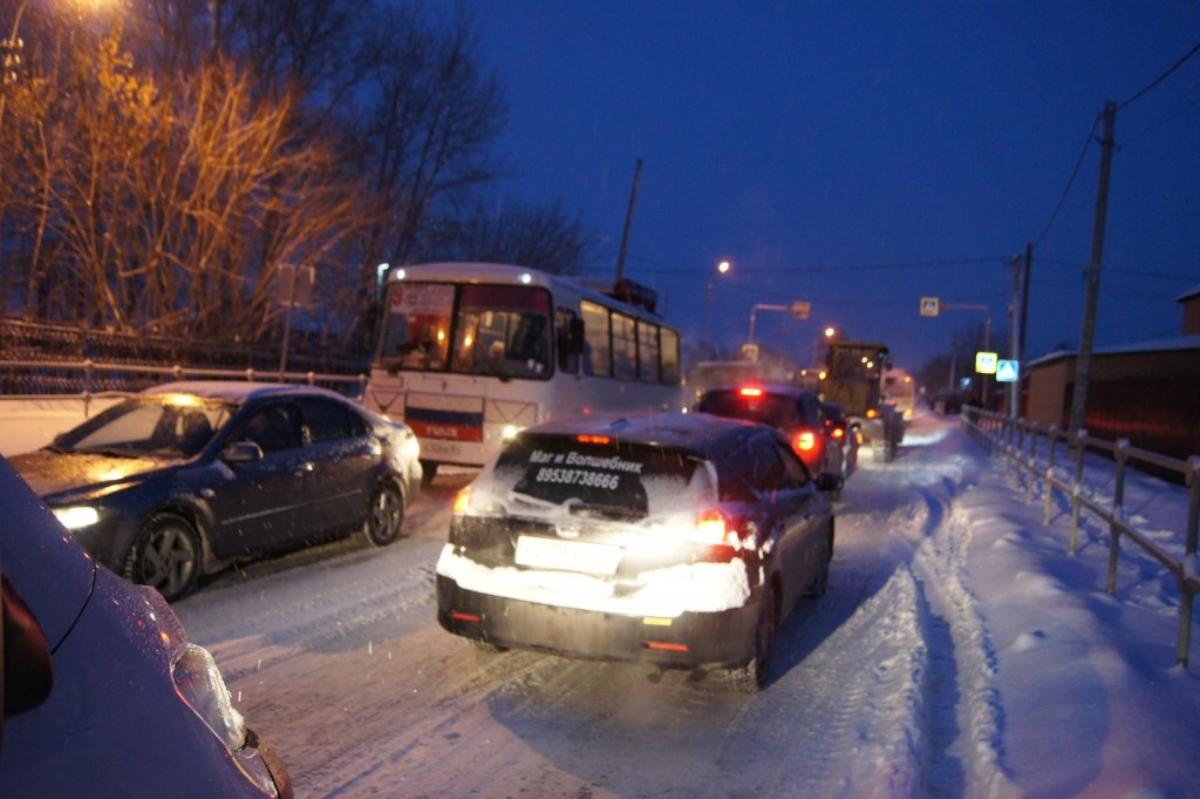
(93, 376)
(1017, 440)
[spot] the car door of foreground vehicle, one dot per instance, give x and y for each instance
(798, 510)
(345, 457)
(262, 506)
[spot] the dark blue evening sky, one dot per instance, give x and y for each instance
(793, 138)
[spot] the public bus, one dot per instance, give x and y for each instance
(470, 354)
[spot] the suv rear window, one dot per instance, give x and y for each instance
(616, 479)
(776, 410)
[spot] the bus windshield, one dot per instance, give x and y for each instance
(503, 331)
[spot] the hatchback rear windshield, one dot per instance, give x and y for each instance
(776, 410)
(595, 477)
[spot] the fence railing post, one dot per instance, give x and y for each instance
(1187, 597)
(1048, 497)
(1031, 463)
(1076, 487)
(1118, 503)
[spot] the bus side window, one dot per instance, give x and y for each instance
(670, 356)
(625, 348)
(568, 360)
(647, 335)
(598, 360)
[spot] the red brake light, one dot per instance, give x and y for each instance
(585, 438)
(804, 441)
(872, 413)
(750, 391)
(711, 528)
(839, 433)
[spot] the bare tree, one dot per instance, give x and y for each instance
(538, 236)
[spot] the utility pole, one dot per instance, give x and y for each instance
(1091, 275)
(1021, 340)
(637, 177)
(1014, 346)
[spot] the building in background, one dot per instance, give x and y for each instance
(1146, 391)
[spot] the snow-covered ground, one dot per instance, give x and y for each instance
(959, 652)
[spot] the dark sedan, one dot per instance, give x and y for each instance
(184, 479)
(680, 539)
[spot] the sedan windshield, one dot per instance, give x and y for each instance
(166, 426)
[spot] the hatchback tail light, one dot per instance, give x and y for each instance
(462, 500)
(839, 433)
(750, 391)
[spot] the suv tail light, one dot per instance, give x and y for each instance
(804, 441)
(750, 391)
(839, 433)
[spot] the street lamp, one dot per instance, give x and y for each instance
(830, 332)
(724, 267)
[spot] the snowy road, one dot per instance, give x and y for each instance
(890, 685)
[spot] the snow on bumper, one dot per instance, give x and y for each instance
(667, 592)
(683, 616)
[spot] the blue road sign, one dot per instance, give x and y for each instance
(1007, 371)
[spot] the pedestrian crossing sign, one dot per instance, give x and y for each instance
(985, 363)
(1007, 371)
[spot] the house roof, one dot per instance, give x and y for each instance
(1190, 342)
(1187, 295)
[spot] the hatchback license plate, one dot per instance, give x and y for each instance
(576, 556)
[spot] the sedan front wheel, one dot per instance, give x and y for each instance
(165, 556)
(386, 515)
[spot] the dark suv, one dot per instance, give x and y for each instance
(680, 539)
(797, 414)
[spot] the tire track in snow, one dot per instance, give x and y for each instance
(966, 716)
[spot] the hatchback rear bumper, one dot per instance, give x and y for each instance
(722, 638)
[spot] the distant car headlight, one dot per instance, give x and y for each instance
(76, 517)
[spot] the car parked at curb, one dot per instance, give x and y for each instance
(104, 696)
(681, 540)
(184, 479)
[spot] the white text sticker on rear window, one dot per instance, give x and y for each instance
(553, 474)
(573, 458)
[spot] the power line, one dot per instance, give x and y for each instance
(1171, 113)
(664, 269)
(1121, 271)
(1087, 143)
(1145, 89)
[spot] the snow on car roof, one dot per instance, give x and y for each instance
(692, 431)
(238, 391)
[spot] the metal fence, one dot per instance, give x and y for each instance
(39, 378)
(1018, 440)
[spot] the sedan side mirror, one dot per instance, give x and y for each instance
(242, 452)
(25, 668)
(829, 482)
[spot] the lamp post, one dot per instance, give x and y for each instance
(723, 268)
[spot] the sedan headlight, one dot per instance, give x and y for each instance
(76, 517)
